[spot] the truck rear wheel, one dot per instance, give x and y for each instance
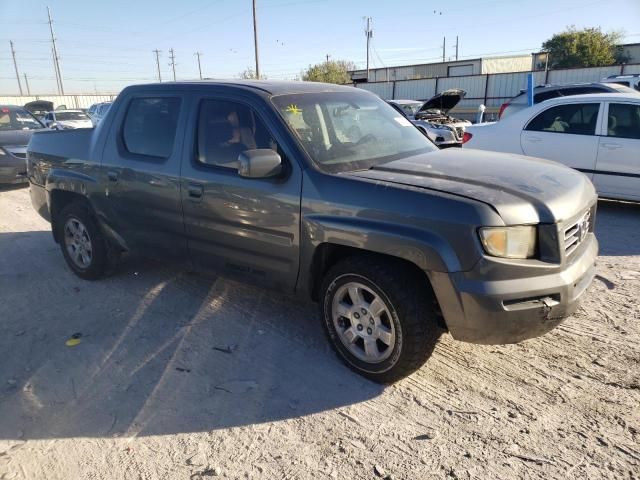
(83, 244)
(380, 317)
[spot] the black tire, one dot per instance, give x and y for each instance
(99, 263)
(409, 301)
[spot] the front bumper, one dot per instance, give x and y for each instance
(485, 311)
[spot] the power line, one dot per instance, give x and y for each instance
(173, 63)
(157, 52)
(15, 65)
(255, 40)
(26, 82)
(368, 33)
(56, 58)
(197, 54)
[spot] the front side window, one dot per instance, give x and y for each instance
(343, 131)
(226, 129)
(623, 120)
(572, 118)
(150, 126)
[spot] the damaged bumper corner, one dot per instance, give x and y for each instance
(501, 311)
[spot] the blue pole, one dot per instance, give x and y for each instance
(530, 89)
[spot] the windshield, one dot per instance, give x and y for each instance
(18, 119)
(343, 131)
(71, 116)
(410, 108)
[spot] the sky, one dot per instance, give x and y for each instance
(106, 45)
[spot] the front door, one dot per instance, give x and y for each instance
(618, 166)
(566, 134)
(141, 175)
(246, 227)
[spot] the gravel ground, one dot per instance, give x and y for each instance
(186, 377)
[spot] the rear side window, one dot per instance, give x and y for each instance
(623, 121)
(541, 97)
(150, 126)
(573, 118)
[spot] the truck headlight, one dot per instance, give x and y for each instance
(509, 242)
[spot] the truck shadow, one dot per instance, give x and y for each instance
(161, 351)
(618, 228)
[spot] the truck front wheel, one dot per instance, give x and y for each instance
(83, 244)
(380, 317)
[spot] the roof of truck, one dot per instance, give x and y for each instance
(273, 87)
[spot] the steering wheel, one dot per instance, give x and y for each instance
(367, 138)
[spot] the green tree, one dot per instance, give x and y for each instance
(333, 71)
(250, 74)
(583, 48)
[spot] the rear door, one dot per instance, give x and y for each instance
(565, 133)
(617, 172)
(141, 174)
(242, 227)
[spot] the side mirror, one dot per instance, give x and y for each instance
(259, 163)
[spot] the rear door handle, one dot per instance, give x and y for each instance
(611, 146)
(533, 139)
(113, 176)
(195, 190)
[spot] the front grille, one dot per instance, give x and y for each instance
(575, 233)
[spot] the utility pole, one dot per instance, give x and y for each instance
(56, 58)
(444, 48)
(197, 54)
(328, 57)
(456, 47)
(15, 65)
(26, 82)
(255, 40)
(157, 52)
(368, 33)
(173, 63)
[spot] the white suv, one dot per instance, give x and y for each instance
(631, 81)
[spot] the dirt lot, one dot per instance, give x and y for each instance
(186, 377)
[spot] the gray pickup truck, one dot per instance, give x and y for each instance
(328, 192)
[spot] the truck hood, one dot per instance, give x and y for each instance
(523, 190)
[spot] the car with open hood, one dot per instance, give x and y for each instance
(432, 117)
(328, 192)
(39, 108)
(16, 127)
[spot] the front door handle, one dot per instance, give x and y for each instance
(113, 176)
(195, 190)
(611, 146)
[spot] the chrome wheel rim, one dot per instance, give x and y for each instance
(363, 322)
(78, 243)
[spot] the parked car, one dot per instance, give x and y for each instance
(546, 92)
(67, 119)
(97, 111)
(39, 108)
(432, 117)
(325, 191)
(16, 126)
(598, 134)
(631, 81)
